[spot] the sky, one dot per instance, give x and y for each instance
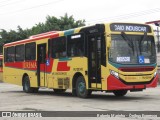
(27, 13)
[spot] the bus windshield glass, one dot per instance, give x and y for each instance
(132, 49)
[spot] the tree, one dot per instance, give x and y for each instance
(51, 24)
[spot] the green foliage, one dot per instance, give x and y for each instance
(51, 24)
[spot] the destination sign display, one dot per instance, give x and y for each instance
(129, 27)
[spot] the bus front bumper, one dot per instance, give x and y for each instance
(114, 83)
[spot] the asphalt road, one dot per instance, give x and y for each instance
(12, 98)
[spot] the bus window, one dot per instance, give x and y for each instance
(30, 50)
(5, 55)
(1, 63)
(19, 53)
(75, 45)
(10, 54)
(59, 47)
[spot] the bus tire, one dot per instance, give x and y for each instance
(59, 90)
(120, 93)
(74, 93)
(81, 90)
(26, 85)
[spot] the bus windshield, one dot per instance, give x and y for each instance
(132, 49)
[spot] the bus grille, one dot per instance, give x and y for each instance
(136, 69)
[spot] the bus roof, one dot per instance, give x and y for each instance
(33, 38)
(43, 34)
(53, 34)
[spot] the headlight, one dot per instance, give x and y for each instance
(155, 74)
(115, 74)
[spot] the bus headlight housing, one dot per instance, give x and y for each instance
(155, 74)
(115, 74)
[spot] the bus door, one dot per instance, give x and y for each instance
(41, 66)
(94, 59)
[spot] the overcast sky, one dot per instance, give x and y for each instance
(27, 13)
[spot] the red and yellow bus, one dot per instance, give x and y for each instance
(1, 67)
(111, 57)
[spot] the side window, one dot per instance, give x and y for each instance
(5, 54)
(49, 48)
(75, 45)
(30, 51)
(10, 57)
(59, 47)
(19, 53)
(1, 63)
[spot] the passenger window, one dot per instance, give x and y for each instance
(20, 53)
(10, 54)
(30, 51)
(59, 47)
(5, 54)
(1, 63)
(75, 45)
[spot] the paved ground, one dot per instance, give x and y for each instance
(12, 98)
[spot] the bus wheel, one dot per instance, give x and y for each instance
(26, 85)
(81, 88)
(120, 93)
(59, 90)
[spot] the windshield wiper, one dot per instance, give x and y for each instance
(140, 42)
(129, 42)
